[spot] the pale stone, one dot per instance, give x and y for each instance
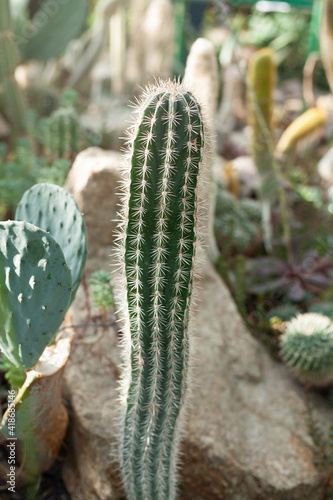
(249, 180)
(201, 74)
(94, 181)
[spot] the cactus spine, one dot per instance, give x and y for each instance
(12, 94)
(160, 234)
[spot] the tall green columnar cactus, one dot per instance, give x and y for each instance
(262, 77)
(160, 235)
(10, 92)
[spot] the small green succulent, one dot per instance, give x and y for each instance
(284, 312)
(307, 347)
(13, 374)
(102, 289)
(237, 222)
(324, 307)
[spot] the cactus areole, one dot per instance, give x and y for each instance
(160, 233)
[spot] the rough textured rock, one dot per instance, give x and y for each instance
(94, 182)
(247, 434)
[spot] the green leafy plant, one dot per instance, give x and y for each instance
(284, 312)
(237, 222)
(160, 234)
(102, 289)
(13, 374)
(44, 154)
(63, 135)
(323, 307)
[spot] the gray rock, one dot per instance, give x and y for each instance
(94, 181)
(247, 434)
(249, 180)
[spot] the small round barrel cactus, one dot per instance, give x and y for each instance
(160, 235)
(307, 347)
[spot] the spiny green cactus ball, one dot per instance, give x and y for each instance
(307, 347)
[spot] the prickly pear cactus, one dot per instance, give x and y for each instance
(160, 234)
(35, 291)
(54, 210)
(307, 347)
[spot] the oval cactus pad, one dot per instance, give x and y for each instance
(35, 291)
(54, 210)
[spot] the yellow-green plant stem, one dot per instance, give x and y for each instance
(31, 377)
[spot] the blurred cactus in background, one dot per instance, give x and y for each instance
(43, 33)
(262, 79)
(12, 99)
(63, 134)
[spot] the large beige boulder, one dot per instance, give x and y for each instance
(247, 432)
